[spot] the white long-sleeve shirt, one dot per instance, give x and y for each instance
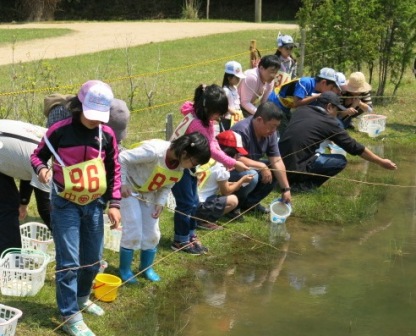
(138, 164)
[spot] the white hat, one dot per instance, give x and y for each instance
(285, 40)
(234, 68)
(329, 74)
(96, 97)
(341, 80)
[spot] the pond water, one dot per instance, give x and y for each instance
(358, 280)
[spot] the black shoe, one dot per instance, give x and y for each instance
(235, 215)
(259, 209)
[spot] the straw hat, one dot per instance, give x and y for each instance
(357, 83)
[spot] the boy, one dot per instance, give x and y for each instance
(214, 191)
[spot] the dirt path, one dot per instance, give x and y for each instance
(98, 36)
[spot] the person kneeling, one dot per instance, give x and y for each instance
(214, 190)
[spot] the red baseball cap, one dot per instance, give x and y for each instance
(232, 139)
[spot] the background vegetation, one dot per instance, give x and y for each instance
(155, 79)
(41, 10)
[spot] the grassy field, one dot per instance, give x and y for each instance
(11, 36)
(162, 76)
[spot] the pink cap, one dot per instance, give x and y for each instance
(96, 97)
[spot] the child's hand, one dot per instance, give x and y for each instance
(158, 211)
(115, 217)
(125, 191)
(45, 175)
(247, 178)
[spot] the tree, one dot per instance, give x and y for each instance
(351, 34)
(37, 10)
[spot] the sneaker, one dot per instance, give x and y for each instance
(259, 209)
(77, 329)
(92, 308)
(198, 245)
(208, 226)
(235, 215)
(187, 247)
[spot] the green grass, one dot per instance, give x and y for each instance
(172, 70)
(11, 36)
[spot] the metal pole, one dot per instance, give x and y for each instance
(169, 126)
(302, 52)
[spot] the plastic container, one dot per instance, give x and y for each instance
(279, 211)
(37, 236)
(103, 266)
(366, 120)
(373, 130)
(112, 238)
(8, 320)
(106, 286)
(22, 272)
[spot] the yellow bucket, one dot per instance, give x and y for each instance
(105, 287)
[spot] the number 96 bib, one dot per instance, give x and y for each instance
(84, 182)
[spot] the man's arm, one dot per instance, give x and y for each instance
(247, 90)
(384, 163)
(25, 191)
(279, 171)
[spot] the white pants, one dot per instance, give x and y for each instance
(140, 229)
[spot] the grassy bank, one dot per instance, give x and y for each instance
(12, 36)
(163, 75)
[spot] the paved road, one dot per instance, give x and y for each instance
(97, 36)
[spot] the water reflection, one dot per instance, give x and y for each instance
(357, 280)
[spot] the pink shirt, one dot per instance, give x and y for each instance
(253, 90)
(196, 126)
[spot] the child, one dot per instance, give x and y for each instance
(148, 172)
(214, 190)
(356, 98)
(86, 175)
(288, 66)
(210, 103)
(233, 74)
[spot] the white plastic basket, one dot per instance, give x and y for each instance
(22, 272)
(37, 236)
(368, 120)
(8, 320)
(111, 237)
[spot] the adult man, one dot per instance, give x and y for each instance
(259, 137)
(309, 126)
(303, 91)
(17, 142)
(258, 84)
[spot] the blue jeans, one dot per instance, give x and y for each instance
(78, 233)
(186, 197)
(325, 164)
(254, 192)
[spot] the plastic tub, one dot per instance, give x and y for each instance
(279, 211)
